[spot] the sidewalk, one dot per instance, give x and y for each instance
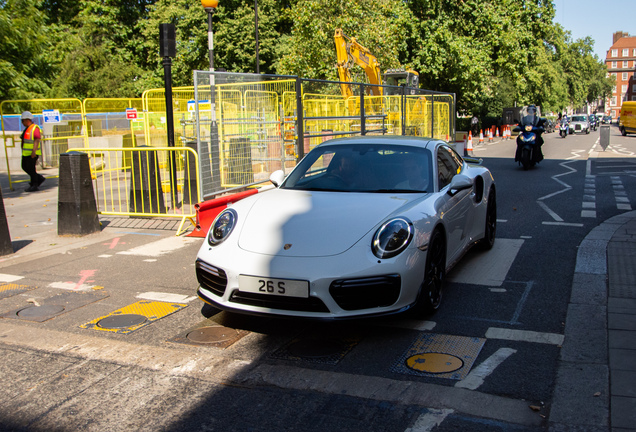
(596, 381)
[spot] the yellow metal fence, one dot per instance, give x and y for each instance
(146, 182)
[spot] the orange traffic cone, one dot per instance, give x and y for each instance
(468, 150)
(481, 136)
(497, 133)
(489, 135)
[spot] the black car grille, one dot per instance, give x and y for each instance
(211, 278)
(365, 293)
(311, 304)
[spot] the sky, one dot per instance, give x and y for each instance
(599, 19)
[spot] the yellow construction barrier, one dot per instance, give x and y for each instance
(146, 182)
(63, 124)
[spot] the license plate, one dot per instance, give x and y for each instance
(280, 287)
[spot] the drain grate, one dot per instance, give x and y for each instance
(40, 311)
(213, 335)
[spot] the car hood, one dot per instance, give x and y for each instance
(312, 224)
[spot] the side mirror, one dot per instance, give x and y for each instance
(459, 183)
(277, 177)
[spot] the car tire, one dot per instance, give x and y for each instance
(491, 222)
(430, 296)
(623, 131)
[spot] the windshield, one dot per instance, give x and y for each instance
(363, 168)
(579, 118)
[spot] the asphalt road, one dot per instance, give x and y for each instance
(502, 321)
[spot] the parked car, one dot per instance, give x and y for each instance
(593, 122)
(580, 123)
(361, 227)
(607, 119)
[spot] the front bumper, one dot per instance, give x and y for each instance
(348, 285)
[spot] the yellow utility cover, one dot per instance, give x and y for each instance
(150, 310)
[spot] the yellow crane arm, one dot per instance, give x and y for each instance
(347, 50)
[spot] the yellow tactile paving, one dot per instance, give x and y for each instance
(8, 290)
(151, 310)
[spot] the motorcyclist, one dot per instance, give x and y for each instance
(532, 119)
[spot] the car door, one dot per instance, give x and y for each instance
(454, 207)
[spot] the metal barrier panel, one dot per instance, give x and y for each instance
(146, 181)
(252, 125)
(108, 124)
(244, 135)
(63, 124)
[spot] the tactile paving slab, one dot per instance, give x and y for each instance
(133, 317)
(53, 306)
(9, 290)
(440, 356)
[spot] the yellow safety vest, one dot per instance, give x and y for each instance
(28, 141)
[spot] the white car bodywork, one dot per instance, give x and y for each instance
(317, 245)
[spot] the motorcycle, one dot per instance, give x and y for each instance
(527, 144)
(564, 129)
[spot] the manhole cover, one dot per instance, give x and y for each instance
(436, 363)
(214, 334)
(40, 311)
(121, 321)
(314, 348)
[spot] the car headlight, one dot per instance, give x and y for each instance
(222, 227)
(392, 238)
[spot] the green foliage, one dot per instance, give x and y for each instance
(490, 53)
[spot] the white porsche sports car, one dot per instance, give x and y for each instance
(360, 227)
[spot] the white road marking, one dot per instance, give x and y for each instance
(563, 224)
(524, 336)
(498, 290)
(166, 297)
(476, 376)
(426, 422)
(71, 286)
(566, 188)
(104, 256)
(150, 260)
(489, 268)
(9, 278)
(159, 247)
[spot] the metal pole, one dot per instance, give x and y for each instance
(210, 11)
(256, 25)
(167, 76)
(214, 130)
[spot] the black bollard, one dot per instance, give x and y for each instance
(146, 195)
(6, 247)
(76, 206)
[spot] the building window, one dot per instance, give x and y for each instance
(624, 89)
(634, 98)
(614, 53)
(625, 52)
(613, 101)
(634, 88)
(625, 77)
(634, 52)
(614, 65)
(625, 64)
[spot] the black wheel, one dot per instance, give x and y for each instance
(526, 157)
(623, 131)
(491, 222)
(431, 290)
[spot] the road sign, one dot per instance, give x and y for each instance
(51, 116)
(131, 113)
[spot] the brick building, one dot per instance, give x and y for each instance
(621, 63)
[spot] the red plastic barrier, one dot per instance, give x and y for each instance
(207, 211)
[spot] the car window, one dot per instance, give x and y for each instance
(449, 164)
(363, 168)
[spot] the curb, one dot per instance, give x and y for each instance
(581, 399)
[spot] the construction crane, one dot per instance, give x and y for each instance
(349, 51)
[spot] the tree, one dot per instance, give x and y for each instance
(24, 70)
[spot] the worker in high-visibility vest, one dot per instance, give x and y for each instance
(31, 150)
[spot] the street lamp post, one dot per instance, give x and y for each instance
(256, 31)
(210, 6)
